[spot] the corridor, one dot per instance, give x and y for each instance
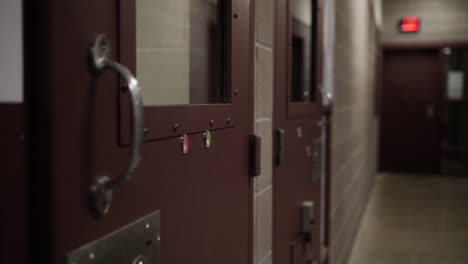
(234, 131)
(414, 219)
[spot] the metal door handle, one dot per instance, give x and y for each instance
(103, 186)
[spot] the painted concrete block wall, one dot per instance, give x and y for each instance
(442, 20)
(263, 196)
(11, 52)
(174, 50)
(163, 52)
(354, 125)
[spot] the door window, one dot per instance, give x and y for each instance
(182, 51)
(455, 141)
(190, 58)
(302, 51)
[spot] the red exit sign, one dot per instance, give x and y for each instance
(410, 24)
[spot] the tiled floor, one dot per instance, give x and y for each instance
(414, 219)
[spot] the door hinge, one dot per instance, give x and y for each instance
(255, 155)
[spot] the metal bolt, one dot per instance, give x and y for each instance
(211, 123)
(158, 237)
(228, 120)
(145, 131)
(147, 226)
(176, 126)
(236, 92)
(91, 255)
(236, 15)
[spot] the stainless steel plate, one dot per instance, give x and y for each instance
(136, 243)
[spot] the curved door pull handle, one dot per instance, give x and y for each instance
(103, 186)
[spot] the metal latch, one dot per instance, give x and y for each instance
(255, 146)
(308, 220)
(279, 139)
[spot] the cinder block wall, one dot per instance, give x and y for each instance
(163, 43)
(354, 124)
(263, 201)
(442, 20)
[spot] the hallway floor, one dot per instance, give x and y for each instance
(414, 219)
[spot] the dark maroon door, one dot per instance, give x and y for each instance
(202, 189)
(410, 132)
(297, 115)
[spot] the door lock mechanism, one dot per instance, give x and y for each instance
(308, 220)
